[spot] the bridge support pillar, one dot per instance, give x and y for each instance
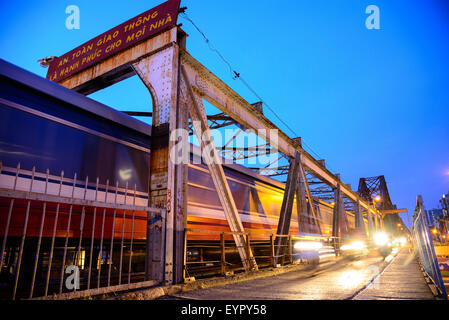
(213, 161)
(311, 210)
(359, 224)
(371, 225)
(165, 234)
(296, 185)
(287, 205)
(301, 203)
(339, 226)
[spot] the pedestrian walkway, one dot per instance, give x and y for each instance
(401, 280)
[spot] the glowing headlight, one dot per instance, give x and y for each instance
(381, 238)
(356, 245)
(308, 245)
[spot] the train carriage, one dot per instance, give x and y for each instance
(96, 153)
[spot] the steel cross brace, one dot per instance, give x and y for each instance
(201, 128)
(287, 205)
(305, 182)
(339, 224)
(236, 153)
(359, 224)
(371, 227)
(296, 185)
(301, 202)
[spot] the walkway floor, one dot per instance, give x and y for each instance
(370, 278)
(337, 281)
(401, 280)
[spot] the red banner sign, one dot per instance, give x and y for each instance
(113, 41)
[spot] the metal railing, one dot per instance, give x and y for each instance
(64, 238)
(222, 262)
(423, 246)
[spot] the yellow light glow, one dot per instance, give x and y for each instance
(377, 198)
(381, 238)
(401, 241)
(356, 245)
(308, 245)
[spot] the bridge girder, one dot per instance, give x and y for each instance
(164, 56)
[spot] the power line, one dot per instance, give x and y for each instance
(235, 75)
(211, 47)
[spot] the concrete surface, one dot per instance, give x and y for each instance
(369, 278)
(401, 280)
(338, 281)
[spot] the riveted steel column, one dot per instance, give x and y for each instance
(312, 211)
(371, 228)
(336, 220)
(359, 224)
(287, 205)
(181, 157)
(160, 74)
(201, 129)
(301, 204)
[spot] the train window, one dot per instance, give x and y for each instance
(35, 141)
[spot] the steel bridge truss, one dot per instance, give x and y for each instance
(369, 189)
(178, 85)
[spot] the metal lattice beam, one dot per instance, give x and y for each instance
(375, 186)
(202, 131)
(236, 153)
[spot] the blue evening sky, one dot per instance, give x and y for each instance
(370, 102)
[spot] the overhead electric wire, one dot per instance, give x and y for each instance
(211, 47)
(235, 75)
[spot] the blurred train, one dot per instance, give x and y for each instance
(47, 126)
